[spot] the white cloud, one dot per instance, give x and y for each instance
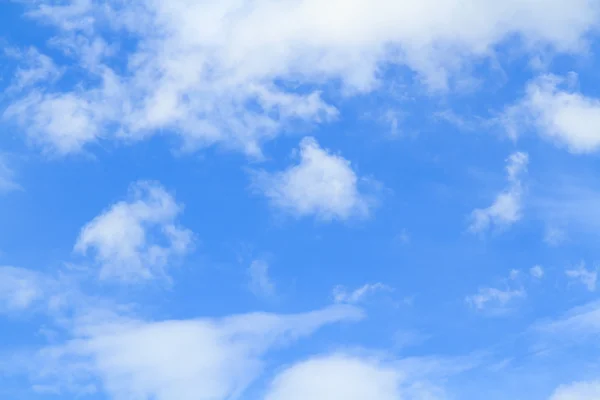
(497, 301)
(361, 377)
(568, 202)
(34, 68)
(225, 72)
(138, 238)
(337, 377)
(578, 324)
(342, 295)
(212, 359)
(409, 338)
(25, 290)
(554, 236)
(7, 182)
(392, 120)
(506, 208)
(570, 338)
(321, 184)
(584, 276)
(537, 272)
(260, 281)
(559, 114)
(493, 299)
(19, 288)
(64, 123)
(402, 238)
(578, 391)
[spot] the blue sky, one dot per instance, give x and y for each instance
(299, 199)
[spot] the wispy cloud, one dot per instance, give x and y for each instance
(568, 204)
(7, 178)
(506, 208)
(494, 299)
(498, 301)
(583, 275)
(342, 295)
(260, 281)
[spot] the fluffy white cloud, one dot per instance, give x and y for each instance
(342, 295)
(584, 276)
(537, 271)
(226, 72)
(65, 122)
(558, 113)
(260, 281)
(321, 184)
(506, 208)
(578, 391)
(203, 359)
(136, 239)
(342, 376)
(337, 377)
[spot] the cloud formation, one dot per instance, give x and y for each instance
(578, 324)
(583, 275)
(25, 292)
(337, 377)
(7, 182)
(136, 239)
(260, 281)
(237, 74)
(320, 184)
(506, 208)
(342, 295)
(19, 288)
(227, 73)
(558, 113)
(202, 359)
(362, 377)
(537, 271)
(578, 391)
(496, 299)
